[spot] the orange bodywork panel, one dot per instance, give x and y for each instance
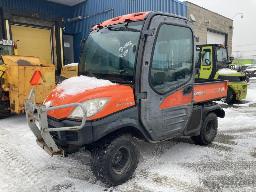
(120, 97)
(202, 93)
(121, 19)
(176, 99)
(210, 91)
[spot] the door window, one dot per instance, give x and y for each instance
(172, 63)
(206, 58)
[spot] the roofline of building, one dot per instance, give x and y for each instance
(208, 10)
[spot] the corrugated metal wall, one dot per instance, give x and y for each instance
(100, 10)
(40, 8)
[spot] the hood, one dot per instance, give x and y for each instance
(120, 97)
(229, 72)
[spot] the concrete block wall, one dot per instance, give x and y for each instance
(208, 20)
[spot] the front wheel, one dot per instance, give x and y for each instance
(4, 109)
(247, 79)
(208, 130)
(114, 162)
(231, 97)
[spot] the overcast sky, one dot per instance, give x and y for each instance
(244, 37)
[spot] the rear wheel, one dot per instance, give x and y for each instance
(208, 130)
(114, 161)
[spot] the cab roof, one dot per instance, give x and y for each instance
(121, 19)
(140, 16)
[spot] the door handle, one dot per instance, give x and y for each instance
(187, 90)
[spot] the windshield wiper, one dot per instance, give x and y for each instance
(116, 78)
(87, 73)
(113, 28)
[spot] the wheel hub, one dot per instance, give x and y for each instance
(121, 160)
(210, 130)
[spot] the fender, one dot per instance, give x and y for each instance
(124, 121)
(200, 112)
(213, 108)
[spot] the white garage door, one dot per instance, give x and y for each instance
(215, 38)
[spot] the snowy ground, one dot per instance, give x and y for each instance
(229, 164)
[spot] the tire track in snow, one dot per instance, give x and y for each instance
(150, 181)
(21, 168)
(25, 176)
(146, 181)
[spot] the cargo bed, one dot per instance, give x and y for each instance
(209, 91)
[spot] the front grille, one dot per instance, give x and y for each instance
(71, 136)
(63, 135)
(55, 135)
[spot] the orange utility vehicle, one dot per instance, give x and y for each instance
(149, 59)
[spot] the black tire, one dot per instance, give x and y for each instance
(115, 161)
(247, 79)
(4, 110)
(231, 97)
(208, 130)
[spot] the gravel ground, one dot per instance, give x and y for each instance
(228, 164)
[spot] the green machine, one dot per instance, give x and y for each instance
(213, 63)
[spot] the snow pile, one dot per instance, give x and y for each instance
(226, 71)
(76, 85)
(251, 69)
(72, 65)
(238, 118)
(251, 95)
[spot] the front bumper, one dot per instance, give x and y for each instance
(67, 138)
(38, 122)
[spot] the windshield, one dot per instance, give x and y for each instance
(110, 52)
(222, 55)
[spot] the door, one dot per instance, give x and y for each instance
(68, 49)
(216, 38)
(206, 62)
(167, 78)
(32, 41)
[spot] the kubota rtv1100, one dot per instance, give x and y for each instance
(137, 80)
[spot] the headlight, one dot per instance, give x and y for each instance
(92, 107)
